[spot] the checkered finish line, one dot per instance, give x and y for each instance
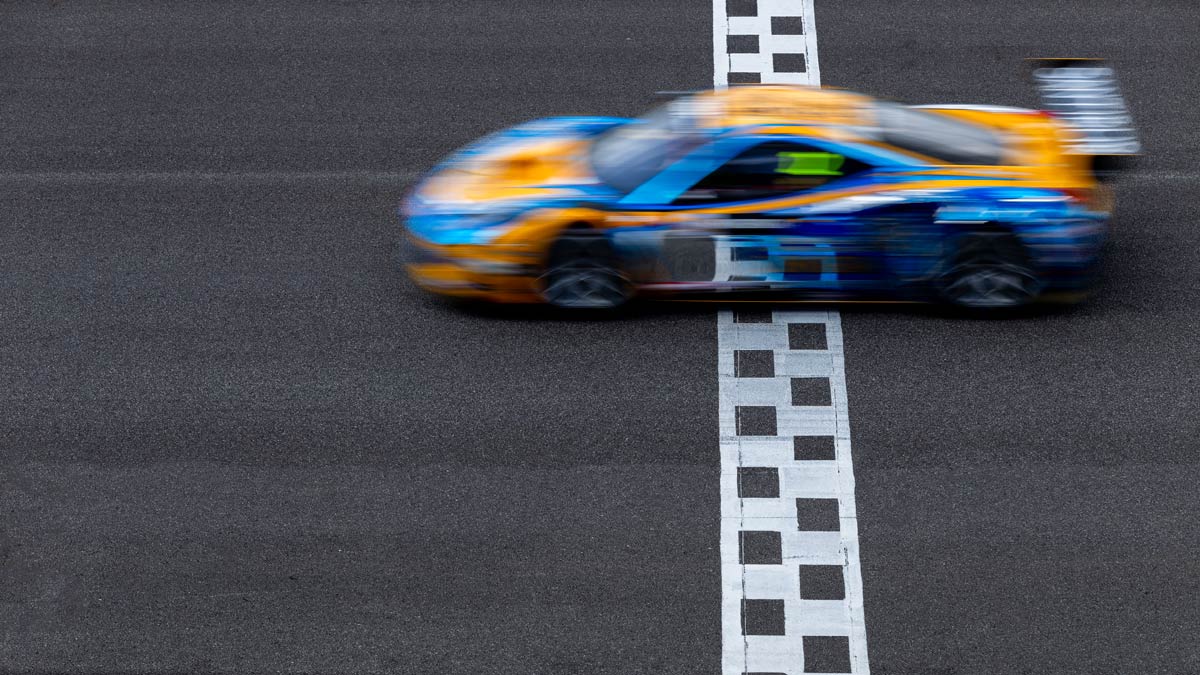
(764, 41)
(791, 585)
(792, 588)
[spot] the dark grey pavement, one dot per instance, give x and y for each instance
(1027, 488)
(234, 439)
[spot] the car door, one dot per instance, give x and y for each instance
(737, 212)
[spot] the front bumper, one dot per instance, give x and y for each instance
(470, 271)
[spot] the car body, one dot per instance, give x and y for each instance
(780, 192)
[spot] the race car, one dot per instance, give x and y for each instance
(781, 192)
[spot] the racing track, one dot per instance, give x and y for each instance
(235, 439)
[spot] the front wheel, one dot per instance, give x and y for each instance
(582, 273)
(988, 271)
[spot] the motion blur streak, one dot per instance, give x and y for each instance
(774, 190)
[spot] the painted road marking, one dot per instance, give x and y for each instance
(769, 41)
(792, 598)
(791, 585)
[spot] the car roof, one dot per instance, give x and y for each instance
(785, 105)
(843, 116)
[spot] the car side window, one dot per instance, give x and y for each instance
(771, 169)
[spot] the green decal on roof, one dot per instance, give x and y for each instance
(809, 163)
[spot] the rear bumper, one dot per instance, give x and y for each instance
(1067, 256)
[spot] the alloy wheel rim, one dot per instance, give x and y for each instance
(584, 284)
(994, 285)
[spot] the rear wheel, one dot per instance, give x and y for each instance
(582, 273)
(988, 271)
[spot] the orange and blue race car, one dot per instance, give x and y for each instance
(782, 192)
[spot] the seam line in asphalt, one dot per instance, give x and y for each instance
(168, 176)
(373, 176)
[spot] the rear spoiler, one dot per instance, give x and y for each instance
(1084, 94)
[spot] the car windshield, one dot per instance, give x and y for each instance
(938, 136)
(629, 155)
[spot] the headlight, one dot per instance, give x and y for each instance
(491, 266)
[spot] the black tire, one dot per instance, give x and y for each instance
(582, 273)
(987, 271)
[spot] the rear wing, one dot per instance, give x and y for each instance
(1085, 95)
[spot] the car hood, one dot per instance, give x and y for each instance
(533, 165)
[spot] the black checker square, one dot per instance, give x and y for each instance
(755, 420)
(758, 482)
(741, 44)
(789, 63)
(822, 582)
(748, 253)
(745, 78)
(806, 336)
(760, 547)
(826, 654)
(753, 363)
(804, 268)
(811, 391)
(814, 448)
(818, 515)
(741, 7)
(751, 316)
(787, 25)
(763, 617)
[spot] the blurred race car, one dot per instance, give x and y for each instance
(783, 192)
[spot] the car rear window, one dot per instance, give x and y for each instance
(937, 136)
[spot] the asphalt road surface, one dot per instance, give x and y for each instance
(234, 438)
